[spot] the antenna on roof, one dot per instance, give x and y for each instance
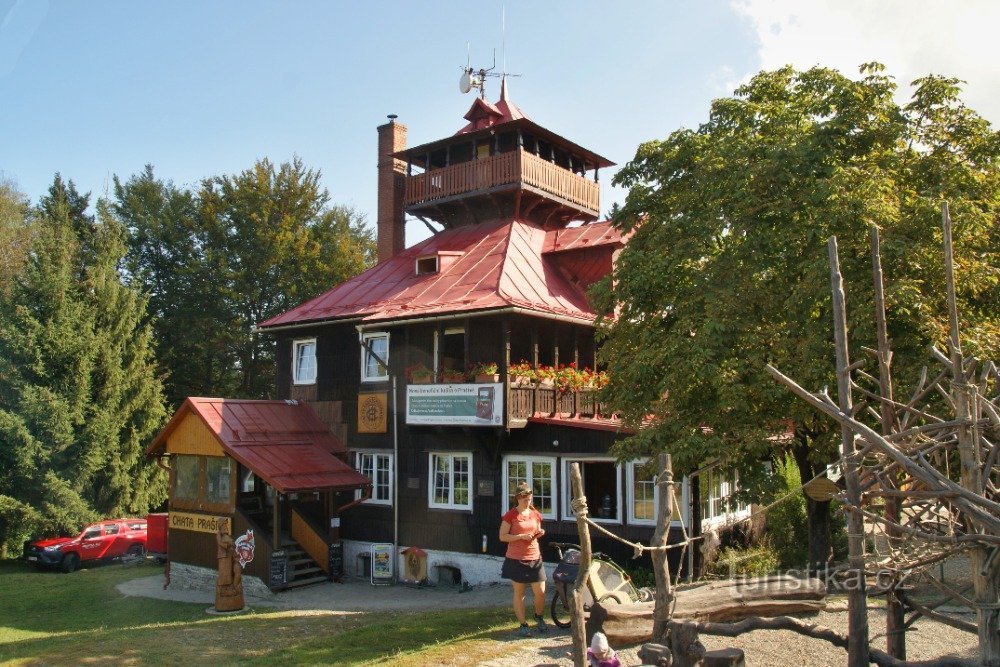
(476, 78)
(503, 38)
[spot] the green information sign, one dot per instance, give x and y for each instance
(455, 404)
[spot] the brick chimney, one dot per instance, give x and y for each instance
(391, 187)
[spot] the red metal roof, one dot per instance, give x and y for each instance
(282, 442)
(488, 267)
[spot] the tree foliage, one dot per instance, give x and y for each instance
(727, 269)
(79, 390)
(218, 261)
(15, 232)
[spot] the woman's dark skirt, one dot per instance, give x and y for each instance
(523, 571)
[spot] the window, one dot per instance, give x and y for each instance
(304, 361)
(371, 369)
(186, 478)
(92, 533)
(644, 496)
(450, 349)
(716, 489)
(427, 265)
(540, 474)
(217, 476)
(601, 486)
(450, 477)
(202, 482)
(377, 467)
(111, 529)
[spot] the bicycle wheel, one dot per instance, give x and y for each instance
(559, 611)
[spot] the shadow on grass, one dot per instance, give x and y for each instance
(53, 618)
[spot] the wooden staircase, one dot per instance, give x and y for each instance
(302, 570)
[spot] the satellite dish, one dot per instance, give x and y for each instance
(466, 82)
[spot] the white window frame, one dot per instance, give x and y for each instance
(567, 492)
(630, 479)
(376, 454)
(431, 472)
(367, 338)
(297, 346)
(729, 486)
(553, 461)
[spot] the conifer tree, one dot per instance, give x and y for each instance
(79, 391)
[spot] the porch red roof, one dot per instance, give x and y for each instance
(282, 442)
(483, 267)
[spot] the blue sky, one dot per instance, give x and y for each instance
(96, 89)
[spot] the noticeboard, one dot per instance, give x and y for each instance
(278, 571)
(381, 564)
(455, 404)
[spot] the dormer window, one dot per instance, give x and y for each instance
(438, 262)
(427, 265)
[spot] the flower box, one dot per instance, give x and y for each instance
(487, 378)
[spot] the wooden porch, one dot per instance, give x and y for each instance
(501, 172)
(553, 403)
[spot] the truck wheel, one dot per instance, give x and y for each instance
(69, 562)
(136, 551)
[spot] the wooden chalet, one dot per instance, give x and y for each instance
(272, 470)
(383, 360)
(505, 280)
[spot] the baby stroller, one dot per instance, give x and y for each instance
(606, 584)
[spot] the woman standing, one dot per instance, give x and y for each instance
(520, 528)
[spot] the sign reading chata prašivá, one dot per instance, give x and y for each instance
(199, 523)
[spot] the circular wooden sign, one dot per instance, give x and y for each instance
(821, 489)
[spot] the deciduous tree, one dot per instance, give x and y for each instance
(218, 261)
(727, 268)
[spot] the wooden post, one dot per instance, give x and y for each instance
(661, 568)
(857, 649)
(276, 520)
(577, 626)
(985, 586)
(686, 649)
(895, 628)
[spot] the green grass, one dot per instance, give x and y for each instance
(53, 619)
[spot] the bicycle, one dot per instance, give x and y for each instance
(607, 583)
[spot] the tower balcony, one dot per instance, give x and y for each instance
(509, 184)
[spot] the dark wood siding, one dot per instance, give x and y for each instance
(338, 359)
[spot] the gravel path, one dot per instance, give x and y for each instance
(763, 648)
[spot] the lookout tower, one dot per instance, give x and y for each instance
(501, 165)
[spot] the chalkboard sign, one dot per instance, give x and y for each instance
(278, 568)
(335, 560)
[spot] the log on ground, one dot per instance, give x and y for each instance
(719, 601)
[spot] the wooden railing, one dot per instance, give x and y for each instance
(526, 402)
(309, 539)
(503, 169)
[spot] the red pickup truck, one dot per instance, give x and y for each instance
(103, 540)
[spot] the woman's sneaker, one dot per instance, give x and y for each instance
(524, 630)
(541, 624)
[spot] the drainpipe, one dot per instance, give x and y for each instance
(395, 477)
(365, 495)
(395, 450)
